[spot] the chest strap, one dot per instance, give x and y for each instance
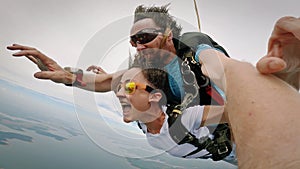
(219, 147)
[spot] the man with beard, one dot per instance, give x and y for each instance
(156, 36)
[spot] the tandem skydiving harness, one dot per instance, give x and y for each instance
(186, 47)
(219, 147)
(198, 90)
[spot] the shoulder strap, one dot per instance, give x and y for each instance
(186, 47)
(190, 41)
(218, 148)
(176, 129)
(181, 135)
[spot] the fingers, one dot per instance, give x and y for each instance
(286, 31)
(95, 69)
(91, 68)
(273, 61)
(288, 24)
(55, 76)
(275, 49)
(19, 47)
(34, 56)
(28, 52)
(25, 51)
(282, 47)
(267, 65)
(42, 61)
(44, 75)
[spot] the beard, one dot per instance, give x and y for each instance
(152, 58)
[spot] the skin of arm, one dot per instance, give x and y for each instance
(213, 115)
(50, 70)
(101, 82)
(263, 112)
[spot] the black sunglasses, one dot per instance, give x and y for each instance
(145, 36)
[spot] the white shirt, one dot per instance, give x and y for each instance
(191, 119)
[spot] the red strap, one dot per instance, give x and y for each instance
(215, 95)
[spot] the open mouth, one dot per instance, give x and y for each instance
(126, 107)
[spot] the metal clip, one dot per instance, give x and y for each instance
(224, 151)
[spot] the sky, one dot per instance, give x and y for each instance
(68, 31)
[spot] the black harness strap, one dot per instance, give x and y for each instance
(186, 47)
(208, 95)
(181, 135)
(218, 148)
(177, 131)
(201, 144)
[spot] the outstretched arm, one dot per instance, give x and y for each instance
(213, 115)
(283, 57)
(50, 70)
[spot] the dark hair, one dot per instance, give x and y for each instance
(158, 78)
(160, 16)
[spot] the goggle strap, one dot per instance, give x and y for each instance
(165, 36)
(149, 89)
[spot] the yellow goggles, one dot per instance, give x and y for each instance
(130, 87)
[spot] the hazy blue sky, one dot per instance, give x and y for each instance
(61, 29)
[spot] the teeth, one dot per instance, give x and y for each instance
(126, 108)
(124, 104)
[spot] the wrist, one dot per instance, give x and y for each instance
(70, 78)
(75, 77)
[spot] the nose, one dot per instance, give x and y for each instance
(140, 47)
(120, 93)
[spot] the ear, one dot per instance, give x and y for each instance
(155, 97)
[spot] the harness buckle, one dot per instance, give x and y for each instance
(222, 150)
(190, 55)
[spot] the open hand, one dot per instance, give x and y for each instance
(49, 68)
(283, 57)
(96, 69)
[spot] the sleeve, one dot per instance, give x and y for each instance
(201, 48)
(192, 117)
